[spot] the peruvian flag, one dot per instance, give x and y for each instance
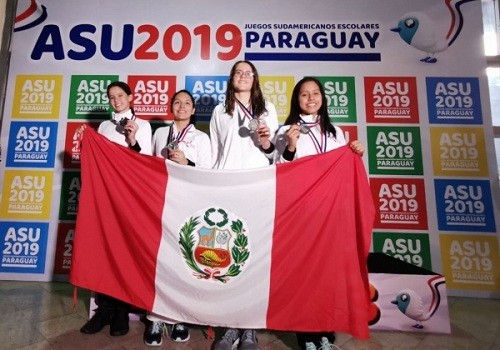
(283, 247)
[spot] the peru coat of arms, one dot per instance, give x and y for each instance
(214, 245)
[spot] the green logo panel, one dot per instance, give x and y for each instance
(412, 248)
(341, 97)
(70, 192)
(394, 150)
(88, 98)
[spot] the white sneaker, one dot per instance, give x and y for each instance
(325, 344)
(310, 346)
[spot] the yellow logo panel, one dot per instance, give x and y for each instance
(471, 262)
(458, 151)
(278, 91)
(37, 96)
(26, 194)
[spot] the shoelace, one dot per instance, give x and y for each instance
(249, 335)
(179, 327)
(310, 346)
(326, 345)
(156, 327)
(231, 335)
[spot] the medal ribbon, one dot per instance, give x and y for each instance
(320, 146)
(177, 138)
(248, 113)
(180, 135)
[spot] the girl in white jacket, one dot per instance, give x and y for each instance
(308, 131)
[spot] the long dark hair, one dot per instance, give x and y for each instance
(256, 95)
(295, 111)
(192, 119)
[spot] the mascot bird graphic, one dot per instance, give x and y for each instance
(411, 305)
(33, 15)
(418, 30)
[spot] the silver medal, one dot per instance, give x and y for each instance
(172, 145)
(253, 124)
(304, 129)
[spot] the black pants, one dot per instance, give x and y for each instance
(107, 302)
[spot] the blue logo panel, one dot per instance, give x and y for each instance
(32, 144)
(24, 247)
(464, 205)
(208, 92)
(454, 101)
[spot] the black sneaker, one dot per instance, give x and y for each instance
(119, 323)
(180, 333)
(153, 333)
(229, 340)
(101, 318)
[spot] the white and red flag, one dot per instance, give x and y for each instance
(283, 247)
